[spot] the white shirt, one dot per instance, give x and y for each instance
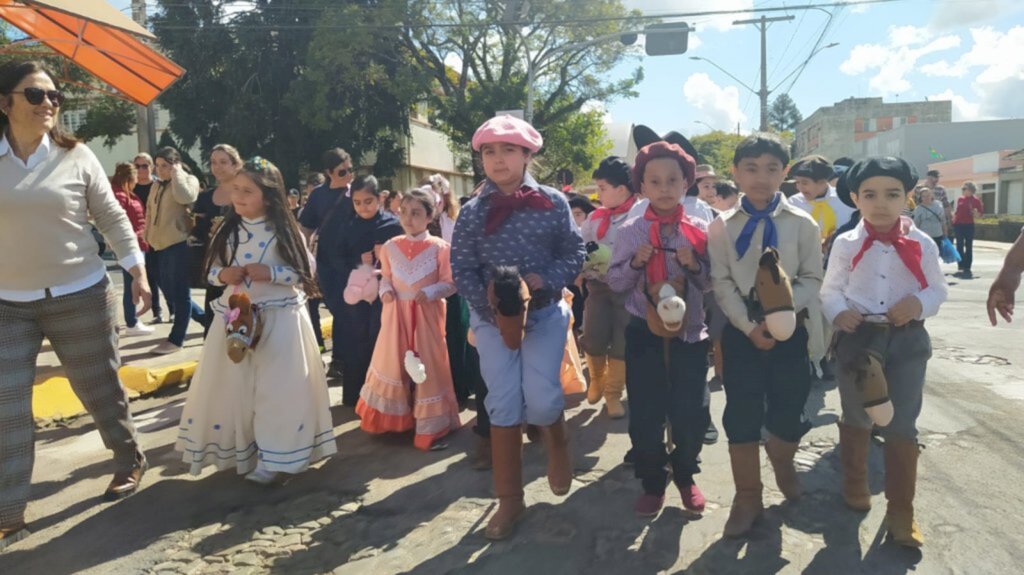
(881, 278)
(33, 160)
(696, 207)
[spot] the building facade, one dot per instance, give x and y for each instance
(836, 131)
(998, 176)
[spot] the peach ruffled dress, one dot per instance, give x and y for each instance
(390, 401)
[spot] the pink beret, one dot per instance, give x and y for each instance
(663, 150)
(508, 130)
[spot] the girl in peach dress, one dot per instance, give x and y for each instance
(409, 384)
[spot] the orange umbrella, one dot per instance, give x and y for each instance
(100, 39)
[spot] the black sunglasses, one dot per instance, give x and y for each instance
(141, 166)
(343, 172)
(35, 96)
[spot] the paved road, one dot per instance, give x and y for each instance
(380, 506)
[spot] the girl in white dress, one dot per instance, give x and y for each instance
(269, 412)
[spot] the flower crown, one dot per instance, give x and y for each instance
(260, 163)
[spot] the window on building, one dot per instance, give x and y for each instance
(73, 120)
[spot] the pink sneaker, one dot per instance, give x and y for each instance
(693, 499)
(648, 505)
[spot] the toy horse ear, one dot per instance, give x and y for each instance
(233, 300)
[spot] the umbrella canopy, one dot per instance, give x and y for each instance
(100, 39)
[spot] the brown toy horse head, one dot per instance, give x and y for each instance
(509, 298)
(243, 325)
(666, 308)
(775, 294)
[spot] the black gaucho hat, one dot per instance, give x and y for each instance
(814, 167)
(642, 136)
(882, 166)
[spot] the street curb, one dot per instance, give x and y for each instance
(53, 398)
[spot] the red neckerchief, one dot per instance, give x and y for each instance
(502, 205)
(605, 215)
(909, 250)
(657, 267)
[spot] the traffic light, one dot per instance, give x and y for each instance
(666, 39)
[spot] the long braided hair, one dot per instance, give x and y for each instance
(290, 242)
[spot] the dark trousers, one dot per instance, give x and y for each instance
(965, 245)
(314, 317)
(765, 388)
(483, 420)
(212, 293)
(332, 290)
(665, 380)
(174, 278)
(153, 276)
(361, 324)
(126, 299)
(464, 361)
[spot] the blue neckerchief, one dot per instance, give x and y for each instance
(771, 238)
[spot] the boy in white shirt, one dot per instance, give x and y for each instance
(882, 281)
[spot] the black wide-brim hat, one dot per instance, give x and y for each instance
(642, 136)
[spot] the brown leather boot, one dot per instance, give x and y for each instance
(781, 453)
(614, 383)
(482, 457)
(556, 441)
(900, 485)
(853, 452)
(596, 368)
(507, 450)
(746, 474)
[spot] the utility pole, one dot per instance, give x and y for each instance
(762, 24)
(144, 116)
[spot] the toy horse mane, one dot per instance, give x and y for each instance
(774, 293)
(509, 298)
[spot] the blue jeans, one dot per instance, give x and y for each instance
(174, 269)
(524, 385)
(126, 300)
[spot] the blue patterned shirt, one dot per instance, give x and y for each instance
(544, 242)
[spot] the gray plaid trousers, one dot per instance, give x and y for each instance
(82, 327)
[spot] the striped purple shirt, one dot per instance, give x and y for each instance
(623, 278)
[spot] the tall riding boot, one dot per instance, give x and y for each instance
(853, 451)
(597, 366)
(900, 484)
(556, 441)
(781, 453)
(507, 450)
(613, 386)
(746, 474)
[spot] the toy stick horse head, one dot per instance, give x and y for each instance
(243, 325)
(666, 309)
(509, 297)
(775, 294)
(875, 389)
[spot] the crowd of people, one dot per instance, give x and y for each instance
(669, 270)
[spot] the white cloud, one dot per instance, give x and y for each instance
(860, 8)
(719, 106)
(895, 60)
(1000, 55)
(724, 22)
(963, 110)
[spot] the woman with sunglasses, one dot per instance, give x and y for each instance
(54, 285)
(144, 166)
(331, 201)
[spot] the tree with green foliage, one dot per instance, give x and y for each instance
(717, 149)
(477, 53)
(287, 80)
(784, 115)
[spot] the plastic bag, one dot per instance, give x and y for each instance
(948, 252)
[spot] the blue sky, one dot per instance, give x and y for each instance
(967, 51)
(970, 52)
